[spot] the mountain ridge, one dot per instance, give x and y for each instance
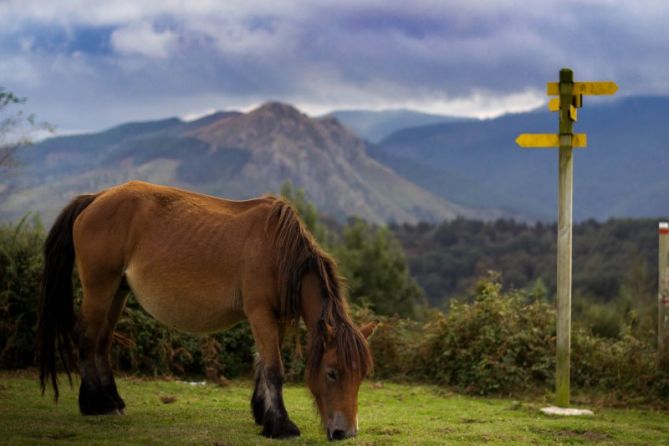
(621, 174)
(231, 154)
(373, 125)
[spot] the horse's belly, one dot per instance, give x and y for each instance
(207, 307)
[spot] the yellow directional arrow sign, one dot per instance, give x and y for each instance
(554, 105)
(531, 140)
(587, 88)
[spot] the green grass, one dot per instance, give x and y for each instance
(389, 414)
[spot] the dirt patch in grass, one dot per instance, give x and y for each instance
(584, 435)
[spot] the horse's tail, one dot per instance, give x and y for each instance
(56, 316)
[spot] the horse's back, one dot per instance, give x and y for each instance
(185, 255)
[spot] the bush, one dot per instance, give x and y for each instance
(393, 344)
(504, 343)
(626, 368)
(143, 345)
(498, 344)
(20, 275)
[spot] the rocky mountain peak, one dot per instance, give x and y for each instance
(278, 110)
(281, 128)
(236, 155)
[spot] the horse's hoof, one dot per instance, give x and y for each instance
(280, 428)
(115, 412)
(96, 403)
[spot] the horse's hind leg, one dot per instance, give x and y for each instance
(267, 401)
(100, 309)
(103, 361)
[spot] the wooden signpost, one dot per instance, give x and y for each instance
(569, 100)
(663, 287)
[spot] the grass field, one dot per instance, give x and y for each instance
(389, 414)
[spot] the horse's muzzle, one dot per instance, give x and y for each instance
(339, 429)
(339, 434)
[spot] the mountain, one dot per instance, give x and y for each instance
(623, 173)
(376, 125)
(229, 154)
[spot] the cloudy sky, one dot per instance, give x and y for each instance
(88, 64)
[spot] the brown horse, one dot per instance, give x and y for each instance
(200, 264)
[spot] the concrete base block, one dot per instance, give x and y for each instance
(566, 411)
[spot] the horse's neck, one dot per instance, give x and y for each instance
(311, 301)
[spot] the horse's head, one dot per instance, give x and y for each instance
(334, 380)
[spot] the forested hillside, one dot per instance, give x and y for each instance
(610, 259)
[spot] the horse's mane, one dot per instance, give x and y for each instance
(299, 253)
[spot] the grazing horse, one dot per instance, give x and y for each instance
(200, 264)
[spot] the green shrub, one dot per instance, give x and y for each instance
(143, 345)
(393, 344)
(20, 275)
(625, 368)
(497, 344)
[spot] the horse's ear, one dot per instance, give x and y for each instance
(327, 331)
(368, 329)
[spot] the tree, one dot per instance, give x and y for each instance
(307, 212)
(370, 258)
(16, 128)
(376, 269)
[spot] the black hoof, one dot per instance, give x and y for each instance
(280, 428)
(258, 408)
(120, 404)
(112, 392)
(92, 401)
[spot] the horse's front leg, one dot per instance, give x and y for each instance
(267, 401)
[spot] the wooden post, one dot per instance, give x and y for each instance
(565, 202)
(570, 99)
(663, 287)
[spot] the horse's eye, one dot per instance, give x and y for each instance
(332, 375)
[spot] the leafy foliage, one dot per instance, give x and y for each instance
(504, 343)
(369, 257)
(499, 343)
(20, 275)
(15, 128)
(490, 341)
(307, 212)
(614, 265)
(143, 345)
(376, 270)
(448, 258)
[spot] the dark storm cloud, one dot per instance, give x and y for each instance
(86, 64)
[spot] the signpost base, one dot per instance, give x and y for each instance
(566, 411)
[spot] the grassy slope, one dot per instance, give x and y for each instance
(391, 414)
